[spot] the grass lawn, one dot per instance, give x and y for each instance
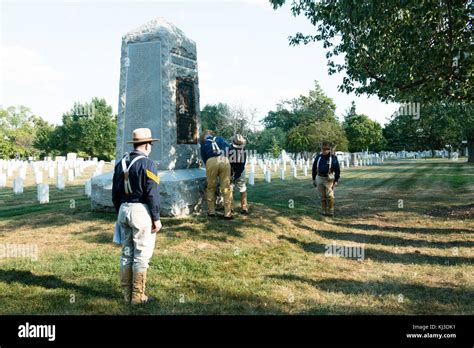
(414, 219)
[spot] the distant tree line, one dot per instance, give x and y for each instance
(297, 125)
(89, 129)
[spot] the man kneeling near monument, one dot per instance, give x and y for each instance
(136, 197)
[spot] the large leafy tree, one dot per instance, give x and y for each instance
(309, 136)
(266, 140)
(17, 132)
(88, 129)
(306, 108)
(363, 133)
(437, 127)
(403, 50)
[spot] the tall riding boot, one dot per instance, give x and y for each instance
(324, 207)
(138, 289)
(243, 202)
(331, 207)
(126, 278)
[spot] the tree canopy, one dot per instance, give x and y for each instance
(399, 50)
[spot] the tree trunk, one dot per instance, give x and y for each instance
(470, 149)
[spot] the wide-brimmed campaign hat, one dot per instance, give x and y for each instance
(142, 135)
(238, 141)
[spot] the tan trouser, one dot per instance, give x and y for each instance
(218, 167)
(325, 187)
(138, 242)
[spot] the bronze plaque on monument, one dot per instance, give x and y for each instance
(186, 119)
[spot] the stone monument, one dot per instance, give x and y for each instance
(159, 90)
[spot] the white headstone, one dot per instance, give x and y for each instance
(305, 170)
(17, 185)
(23, 172)
(282, 173)
(70, 175)
(252, 178)
(71, 157)
(87, 188)
(9, 170)
(60, 184)
(38, 177)
(43, 193)
(268, 176)
(3, 180)
(294, 172)
(51, 172)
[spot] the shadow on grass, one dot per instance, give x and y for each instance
(99, 288)
(385, 240)
(385, 256)
(423, 230)
(416, 292)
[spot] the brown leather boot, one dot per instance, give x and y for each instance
(126, 279)
(324, 207)
(331, 207)
(138, 289)
(243, 202)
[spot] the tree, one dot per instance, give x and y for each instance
(351, 112)
(290, 113)
(88, 129)
(363, 133)
(437, 127)
(17, 132)
(42, 140)
(263, 141)
(275, 148)
(227, 120)
(308, 136)
(399, 50)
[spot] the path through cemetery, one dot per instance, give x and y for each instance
(409, 223)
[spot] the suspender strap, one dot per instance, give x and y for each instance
(215, 148)
(330, 163)
(127, 186)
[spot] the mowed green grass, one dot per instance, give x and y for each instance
(413, 218)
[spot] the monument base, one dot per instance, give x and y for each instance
(182, 192)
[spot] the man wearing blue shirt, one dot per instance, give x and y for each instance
(326, 173)
(214, 152)
(136, 197)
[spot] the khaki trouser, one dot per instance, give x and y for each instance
(218, 167)
(138, 242)
(239, 184)
(325, 187)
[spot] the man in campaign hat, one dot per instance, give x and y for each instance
(136, 197)
(237, 159)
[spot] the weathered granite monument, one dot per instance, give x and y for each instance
(159, 90)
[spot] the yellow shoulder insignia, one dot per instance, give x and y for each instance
(153, 176)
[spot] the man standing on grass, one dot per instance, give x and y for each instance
(326, 173)
(214, 152)
(136, 197)
(237, 158)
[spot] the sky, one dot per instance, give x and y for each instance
(58, 52)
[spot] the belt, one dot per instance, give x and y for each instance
(323, 175)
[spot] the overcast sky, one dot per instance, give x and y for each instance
(57, 52)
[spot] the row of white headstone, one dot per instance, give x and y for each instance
(74, 166)
(269, 164)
